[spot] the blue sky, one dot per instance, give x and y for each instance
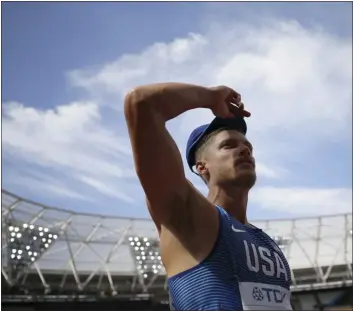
(66, 67)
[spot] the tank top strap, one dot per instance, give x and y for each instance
(226, 225)
(224, 215)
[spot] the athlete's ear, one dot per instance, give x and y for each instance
(201, 168)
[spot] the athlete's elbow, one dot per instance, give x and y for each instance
(137, 103)
(132, 103)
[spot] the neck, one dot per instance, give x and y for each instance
(233, 199)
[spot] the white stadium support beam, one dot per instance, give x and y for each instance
(93, 253)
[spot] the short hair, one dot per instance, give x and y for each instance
(203, 144)
(202, 147)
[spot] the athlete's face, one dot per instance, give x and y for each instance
(229, 160)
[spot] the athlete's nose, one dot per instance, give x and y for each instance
(245, 151)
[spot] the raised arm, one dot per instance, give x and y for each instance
(170, 197)
(157, 159)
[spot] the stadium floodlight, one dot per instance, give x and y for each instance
(146, 256)
(282, 241)
(26, 243)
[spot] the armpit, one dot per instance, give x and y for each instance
(181, 222)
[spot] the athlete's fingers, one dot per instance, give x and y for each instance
(237, 102)
(238, 110)
(236, 97)
(246, 113)
(241, 106)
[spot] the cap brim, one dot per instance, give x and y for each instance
(236, 123)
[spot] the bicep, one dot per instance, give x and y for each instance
(157, 162)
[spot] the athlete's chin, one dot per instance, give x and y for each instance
(245, 179)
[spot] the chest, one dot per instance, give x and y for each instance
(256, 257)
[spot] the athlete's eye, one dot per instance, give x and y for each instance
(226, 146)
(229, 144)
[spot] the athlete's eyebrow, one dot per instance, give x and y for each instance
(236, 141)
(228, 140)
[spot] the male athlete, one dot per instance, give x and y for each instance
(213, 257)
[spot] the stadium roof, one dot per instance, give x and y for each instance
(88, 243)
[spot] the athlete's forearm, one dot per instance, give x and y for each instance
(169, 99)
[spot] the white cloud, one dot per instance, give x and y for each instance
(128, 71)
(295, 81)
(33, 180)
(291, 78)
(266, 171)
(71, 136)
(304, 201)
(287, 73)
(105, 188)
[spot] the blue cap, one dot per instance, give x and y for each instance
(236, 123)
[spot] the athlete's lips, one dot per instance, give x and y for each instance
(245, 162)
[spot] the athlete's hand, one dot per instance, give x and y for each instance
(226, 103)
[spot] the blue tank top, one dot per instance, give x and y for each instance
(246, 270)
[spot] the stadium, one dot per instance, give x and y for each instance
(55, 259)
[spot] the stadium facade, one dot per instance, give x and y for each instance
(54, 259)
